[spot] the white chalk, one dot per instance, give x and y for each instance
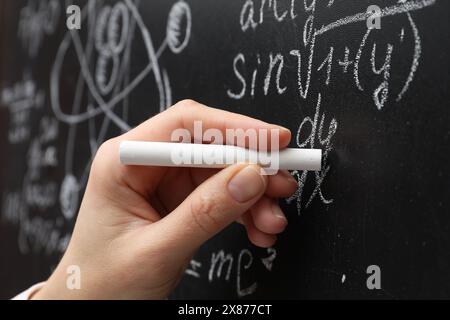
(169, 154)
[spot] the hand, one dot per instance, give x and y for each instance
(138, 227)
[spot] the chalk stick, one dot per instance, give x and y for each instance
(169, 154)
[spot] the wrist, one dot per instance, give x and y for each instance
(64, 283)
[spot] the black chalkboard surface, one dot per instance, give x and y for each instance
(374, 100)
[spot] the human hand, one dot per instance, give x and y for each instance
(138, 227)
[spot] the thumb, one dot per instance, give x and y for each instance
(215, 204)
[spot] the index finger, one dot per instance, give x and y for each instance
(159, 128)
(184, 114)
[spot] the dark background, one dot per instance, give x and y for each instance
(389, 168)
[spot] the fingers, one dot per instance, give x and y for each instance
(200, 175)
(268, 217)
(185, 113)
(265, 216)
(256, 236)
(177, 184)
(263, 222)
(215, 204)
(183, 116)
(281, 185)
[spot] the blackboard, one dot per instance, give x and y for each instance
(374, 100)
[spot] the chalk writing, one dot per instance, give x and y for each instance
(102, 89)
(37, 19)
(316, 138)
(312, 68)
(229, 267)
(21, 99)
(112, 30)
(103, 49)
(253, 15)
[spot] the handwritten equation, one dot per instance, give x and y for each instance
(101, 91)
(223, 265)
(319, 71)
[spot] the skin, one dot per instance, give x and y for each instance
(138, 227)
